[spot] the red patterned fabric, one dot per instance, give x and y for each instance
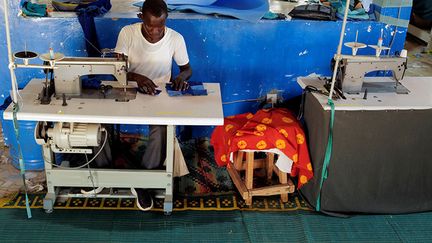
(267, 129)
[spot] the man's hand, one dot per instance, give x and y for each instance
(145, 85)
(179, 84)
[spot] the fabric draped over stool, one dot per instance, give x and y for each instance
(267, 129)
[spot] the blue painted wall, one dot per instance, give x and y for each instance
(248, 60)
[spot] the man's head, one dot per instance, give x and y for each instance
(154, 14)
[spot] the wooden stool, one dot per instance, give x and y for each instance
(246, 187)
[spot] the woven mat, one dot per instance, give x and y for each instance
(206, 187)
(213, 202)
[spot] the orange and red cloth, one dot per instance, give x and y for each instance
(267, 129)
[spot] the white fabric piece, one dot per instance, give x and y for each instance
(180, 167)
(283, 163)
(153, 60)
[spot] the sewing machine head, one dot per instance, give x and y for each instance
(68, 72)
(352, 70)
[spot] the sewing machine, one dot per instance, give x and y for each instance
(352, 70)
(74, 124)
(66, 79)
(77, 127)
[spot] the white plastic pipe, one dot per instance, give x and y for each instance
(11, 60)
(339, 49)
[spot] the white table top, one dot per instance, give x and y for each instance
(419, 98)
(145, 109)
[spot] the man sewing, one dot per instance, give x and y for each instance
(150, 47)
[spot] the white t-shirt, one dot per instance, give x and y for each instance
(153, 60)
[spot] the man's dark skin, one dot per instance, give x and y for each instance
(153, 30)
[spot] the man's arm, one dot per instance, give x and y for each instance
(179, 83)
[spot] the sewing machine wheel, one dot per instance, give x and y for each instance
(40, 133)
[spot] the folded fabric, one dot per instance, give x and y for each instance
(353, 14)
(273, 16)
(33, 9)
(357, 14)
(96, 8)
(140, 3)
(194, 89)
(313, 11)
(275, 128)
(250, 10)
(94, 81)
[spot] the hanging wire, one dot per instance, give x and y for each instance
(86, 40)
(91, 175)
(240, 101)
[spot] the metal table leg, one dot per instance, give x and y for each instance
(50, 197)
(168, 202)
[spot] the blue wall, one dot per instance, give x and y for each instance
(248, 60)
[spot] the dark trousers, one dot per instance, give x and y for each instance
(153, 157)
(155, 153)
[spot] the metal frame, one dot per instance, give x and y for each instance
(154, 179)
(143, 110)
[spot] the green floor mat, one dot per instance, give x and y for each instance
(210, 226)
(308, 226)
(120, 226)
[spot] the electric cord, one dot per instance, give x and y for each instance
(34, 187)
(311, 89)
(89, 161)
(308, 88)
(91, 176)
(239, 101)
(395, 31)
(89, 42)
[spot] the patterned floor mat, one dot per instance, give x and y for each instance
(213, 202)
(204, 176)
(206, 187)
